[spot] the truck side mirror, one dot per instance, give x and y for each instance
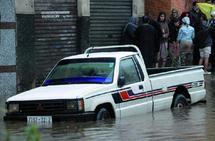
(121, 81)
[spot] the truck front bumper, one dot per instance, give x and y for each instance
(87, 116)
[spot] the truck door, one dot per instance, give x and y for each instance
(134, 91)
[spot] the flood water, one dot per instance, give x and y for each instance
(196, 123)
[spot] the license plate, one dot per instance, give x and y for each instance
(40, 120)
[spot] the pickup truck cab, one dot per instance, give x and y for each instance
(106, 82)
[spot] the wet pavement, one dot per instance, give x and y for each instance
(196, 123)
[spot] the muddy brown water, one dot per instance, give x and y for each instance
(196, 123)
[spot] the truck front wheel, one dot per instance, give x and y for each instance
(103, 114)
(180, 101)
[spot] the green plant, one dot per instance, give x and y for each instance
(32, 133)
(7, 136)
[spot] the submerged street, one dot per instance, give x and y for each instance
(135, 55)
(191, 124)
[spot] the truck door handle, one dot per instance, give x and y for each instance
(141, 87)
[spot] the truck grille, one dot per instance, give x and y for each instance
(43, 107)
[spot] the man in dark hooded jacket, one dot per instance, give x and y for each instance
(128, 31)
(146, 38)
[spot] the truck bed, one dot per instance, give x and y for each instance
(167, 70)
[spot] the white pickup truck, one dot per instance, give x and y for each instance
(106, 82)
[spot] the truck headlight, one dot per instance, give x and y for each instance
(81, 105)
(13, 108)
(71, 105)
(75, 105)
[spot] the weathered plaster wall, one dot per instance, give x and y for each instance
(7, 48)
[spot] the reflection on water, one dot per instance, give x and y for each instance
(196, 123)
(210, 117)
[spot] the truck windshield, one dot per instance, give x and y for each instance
(82, 71)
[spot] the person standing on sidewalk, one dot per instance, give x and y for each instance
(174, 26)
(174, 15)
(203, 42)
(195, 21)
(185, 38)
(146, 37)
(128, 31)
(212, 31)
(163, 52)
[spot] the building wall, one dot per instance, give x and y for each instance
(179, 4)
(84, 16)
(25, 56)
(182, 5)
(153, 7)
(138, 8)
(7, 48)
(25, 61)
